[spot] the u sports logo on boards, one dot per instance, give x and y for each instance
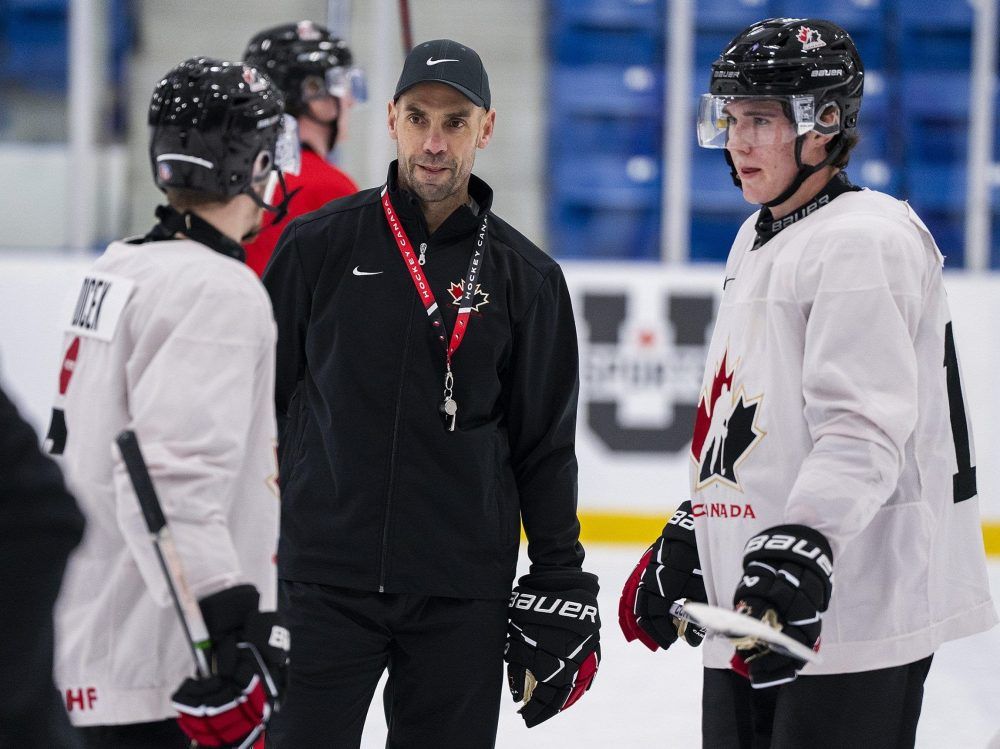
(641, 367)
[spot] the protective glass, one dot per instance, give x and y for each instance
(777, 119)
(341, 81)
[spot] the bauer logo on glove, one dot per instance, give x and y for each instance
(553, 642)
(787, 583)
(668, 572)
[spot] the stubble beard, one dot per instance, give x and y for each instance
(431, 193)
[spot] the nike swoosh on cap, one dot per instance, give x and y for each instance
(432, 61)
(359, 272)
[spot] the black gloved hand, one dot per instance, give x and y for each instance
(553, 641)
(249, 663)
(668, 571)
(787, 582)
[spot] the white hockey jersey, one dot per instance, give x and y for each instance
(175, 341)
(832, 399)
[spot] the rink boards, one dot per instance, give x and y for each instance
(643, 331)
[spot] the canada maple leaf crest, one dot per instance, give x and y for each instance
(725, 429)
(457, 291)
(810, 38)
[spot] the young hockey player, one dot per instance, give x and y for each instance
(315, 72)
(172, 336)
(844, 433)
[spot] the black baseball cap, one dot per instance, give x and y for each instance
(445, 61)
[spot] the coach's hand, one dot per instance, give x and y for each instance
(553, 642)
(669, 571)
(249, 661)
(787, 582)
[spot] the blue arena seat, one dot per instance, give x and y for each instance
(589, 45)
(712, 188)
(732, 16)
(573, 135)
(608, 14)
(864, 21)
(936, 186)
(936, 93)
(36, 54)
(625, 182)
(712, 233)
(618, 90)
(934, 35)
(934, 114)
(594, 232)
(948, 229)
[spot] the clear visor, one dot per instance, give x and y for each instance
(754, 120)
(288, 149)
(287, 157)
(343, 81)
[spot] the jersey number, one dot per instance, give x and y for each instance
(963, 482)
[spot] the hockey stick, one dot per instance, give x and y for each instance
(731, 624)
(170, 562)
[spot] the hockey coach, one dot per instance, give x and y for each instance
(426, 392)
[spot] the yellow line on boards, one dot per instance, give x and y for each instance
(619, 528)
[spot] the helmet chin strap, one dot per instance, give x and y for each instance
(805, 171)
(172, 222)
(279, 210)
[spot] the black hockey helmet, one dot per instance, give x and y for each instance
(808, 64)
(293, 55)
(219, 128)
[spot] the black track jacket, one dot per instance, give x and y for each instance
(376, 493)
(40, 524)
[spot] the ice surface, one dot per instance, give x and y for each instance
(642, 699)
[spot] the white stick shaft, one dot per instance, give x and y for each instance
(732, 624)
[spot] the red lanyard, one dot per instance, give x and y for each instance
(421, 283)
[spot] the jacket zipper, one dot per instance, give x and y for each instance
(391, 486)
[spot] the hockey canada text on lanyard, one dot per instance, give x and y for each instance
(449, 406)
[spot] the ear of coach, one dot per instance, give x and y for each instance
(787, 582)
(553, 641)
(668, 571)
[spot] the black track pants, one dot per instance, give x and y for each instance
(865, 709)
(164, 734)
(444, 657)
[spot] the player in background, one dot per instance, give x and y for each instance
(847, 442)
(427, 395)
(315, 72)
(40, 524)
(172, 336)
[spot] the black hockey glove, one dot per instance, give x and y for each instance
(787, 582)
(668, 571)
(553, 642)
(249, 662)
